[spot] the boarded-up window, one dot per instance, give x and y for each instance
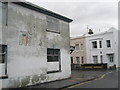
(52, 24)
(53, 55)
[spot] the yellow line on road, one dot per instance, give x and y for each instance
(84, 82)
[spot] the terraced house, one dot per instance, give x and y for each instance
(103, 48)
(34, 45)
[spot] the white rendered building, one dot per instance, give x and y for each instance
(103, 47)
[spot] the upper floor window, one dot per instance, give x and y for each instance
(94, 44)
(108, 43)
(81, 46)
(3, 13)
(100, 42)
(77, 47)
(53, 25)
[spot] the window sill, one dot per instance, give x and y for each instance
(48, 30)
(108, 47)
(4, 77)
(50, 72)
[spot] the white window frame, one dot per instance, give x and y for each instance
(108, 44)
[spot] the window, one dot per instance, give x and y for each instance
(81, 46)
(53, 55)
(100, 42)
(82, 59)
(95, 59)
(111, 57)
(94, 44)
(71, 60)
(3, 13)
(52, 25)
(108, 43)
(3, 53)
(78, 60)
(77, 47)
(101, 58)
(3, 61)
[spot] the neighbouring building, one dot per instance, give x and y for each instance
(34, 45)
(103, 48)
(78, 56)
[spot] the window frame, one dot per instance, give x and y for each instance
(2, 49)
(95, 59)
(111, 58)
(108, 44)
(53, 55)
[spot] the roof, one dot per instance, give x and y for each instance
(42, 10)
(79, 37)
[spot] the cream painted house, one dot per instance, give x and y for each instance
(78, 56)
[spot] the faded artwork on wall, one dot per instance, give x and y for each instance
(24, 38)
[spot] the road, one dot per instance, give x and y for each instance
(109, 80)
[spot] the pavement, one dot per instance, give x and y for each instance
(76, 78)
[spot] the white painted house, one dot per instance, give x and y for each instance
(103, 47)
(34, 45)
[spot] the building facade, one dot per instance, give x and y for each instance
(103, 48)
(34, 45)
(78, 56)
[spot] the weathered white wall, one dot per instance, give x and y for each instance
(27, 64)
(112, 35)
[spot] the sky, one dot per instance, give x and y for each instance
(98, 15)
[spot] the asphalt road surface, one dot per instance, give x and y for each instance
(109, 80)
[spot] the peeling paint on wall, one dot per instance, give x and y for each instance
(27, 41)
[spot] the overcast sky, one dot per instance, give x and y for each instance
(99, 16)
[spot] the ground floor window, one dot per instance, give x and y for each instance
(54, 60)
(78, 60)
(111, 57)
(53, 55)
(3, 60)
(71, 60)
(101, 58)
(95, 59)
(82, 59)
